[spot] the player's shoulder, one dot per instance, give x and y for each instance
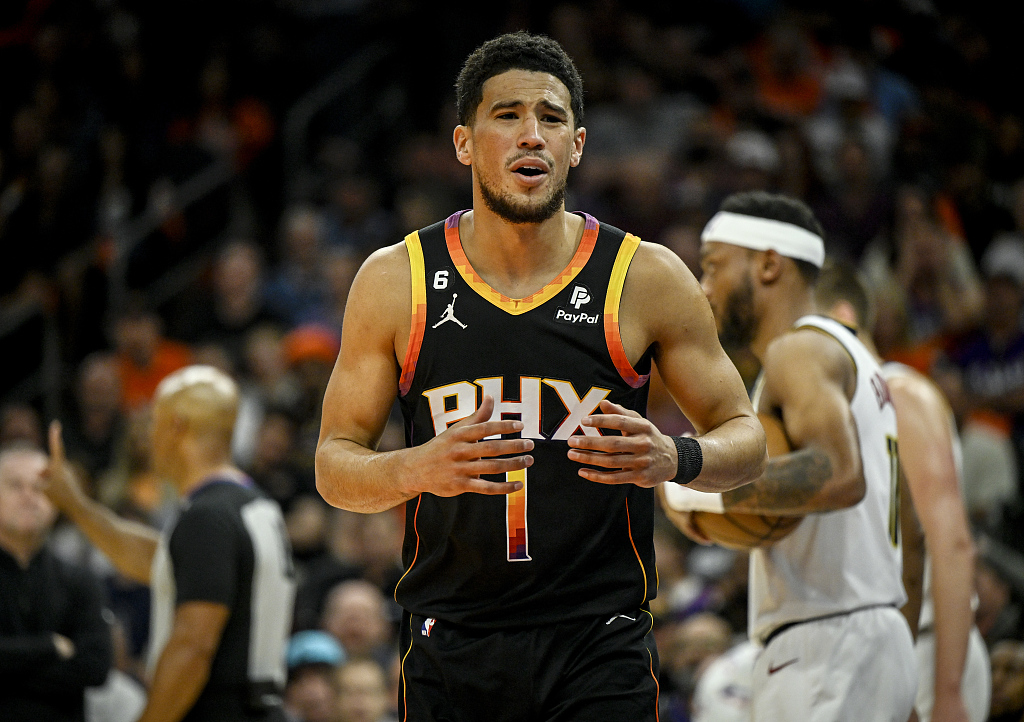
(656, 258)
(382, 281)
(912, 389)
(804, 341)
(655, 268)
(385, 262)
(804, 349)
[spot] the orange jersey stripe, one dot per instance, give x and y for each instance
(419, 312)
(629, 530)
(416, 554)
(516, 306)
(611, 313)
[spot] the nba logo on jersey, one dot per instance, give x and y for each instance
(428, 624)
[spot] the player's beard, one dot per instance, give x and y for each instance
(514, 211)
(738, 323)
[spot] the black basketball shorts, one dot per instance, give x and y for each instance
(601, 669)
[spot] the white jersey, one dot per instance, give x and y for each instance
(839, 561)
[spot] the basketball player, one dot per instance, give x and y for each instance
(528, 481)
(824, 601)
(952, 660)
(221, 576)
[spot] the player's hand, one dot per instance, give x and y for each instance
(60, 483)
(681, 520)
(642, 455)
(949, 708)
(453, 462)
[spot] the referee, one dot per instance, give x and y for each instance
(221, 576)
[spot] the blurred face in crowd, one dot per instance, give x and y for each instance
(312, 693)
(237, 272)
(99, 386)
(726, 280)
(362, 692)
(26, 514)
(521, 144)
(356, 616)
(302, 238)
(138, 337)
(1007, 660)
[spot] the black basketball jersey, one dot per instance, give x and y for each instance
(563, 547)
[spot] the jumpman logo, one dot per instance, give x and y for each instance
(449, 314)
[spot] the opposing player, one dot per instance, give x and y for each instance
(954, 680)
(528, 481)
(221, 576)
(824, 601)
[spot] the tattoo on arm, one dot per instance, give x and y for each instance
(789, 483)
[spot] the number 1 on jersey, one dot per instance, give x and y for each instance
(894, 490)
(515, 519)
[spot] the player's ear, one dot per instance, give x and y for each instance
(577, 147)
(768, 266)
(462, 137)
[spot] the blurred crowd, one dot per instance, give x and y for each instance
(179, 184)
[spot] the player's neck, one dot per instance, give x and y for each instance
(518, 259)
(781, 311)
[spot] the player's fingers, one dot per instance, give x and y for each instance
(610, 407)
(478, 431)
(491, 488)
(619, 422)
(597, 458)
(482, 413)
(622, 476)
(612, 444)
(489, 449)
(497, 466)
(56, 444)
(683, 521)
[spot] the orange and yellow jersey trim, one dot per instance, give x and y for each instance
(611, 313)
(517, 306)
(419, 311)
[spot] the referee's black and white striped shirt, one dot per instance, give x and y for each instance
(229, 546)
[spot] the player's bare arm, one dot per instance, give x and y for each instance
(809, 379)
(350, 473)
(128, 544)
(926, 453)
(663, 307)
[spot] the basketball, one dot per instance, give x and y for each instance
(748, 531)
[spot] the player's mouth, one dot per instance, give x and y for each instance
(530, 171)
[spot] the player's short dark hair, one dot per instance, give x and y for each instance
(516, 51)
(841, 281)
(777, 207)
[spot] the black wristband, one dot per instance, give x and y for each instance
(691, 459)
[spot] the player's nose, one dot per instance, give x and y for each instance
(529, 135)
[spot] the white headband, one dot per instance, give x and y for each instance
(762, 234)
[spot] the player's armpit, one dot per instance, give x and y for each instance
(350, 473)
(663, 308)
(807, 381)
